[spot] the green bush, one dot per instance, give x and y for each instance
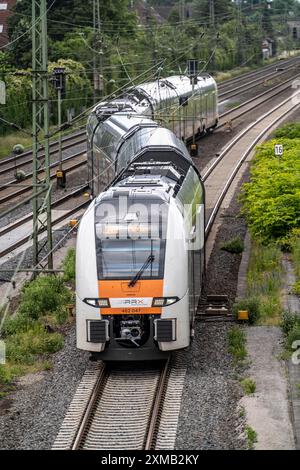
(237, 343)
(289, 131)
(24, 347)
(293, 335)
(43, 295)
(296, 288)
(16, 324)
(296, 254)
(251, 305)
(249, 386)
(251, 436)
(236, 245)
(289, 321)
(5, 376)
(61, 315)
(69, 265)
(271, 202)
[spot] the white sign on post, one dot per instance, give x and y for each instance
(278, 150)
(2, 93)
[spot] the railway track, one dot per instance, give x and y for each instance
(72, 163)
(256, 81)
(232, 114)
(10, 163)
(254, 78)
(145, 418)
(61, 213)
(10, 193)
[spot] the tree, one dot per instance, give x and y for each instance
(222, 8)
(66, 16)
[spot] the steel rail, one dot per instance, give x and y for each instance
(96, 393)
(27, 153)
(281, 63)
(54, 222)
(24, 190)
(153, 423)
(29, 161)
(244, 87)
(27, 217)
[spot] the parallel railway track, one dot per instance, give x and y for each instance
(11, 194)
(253, 79)
(58, 204)
(233, 114)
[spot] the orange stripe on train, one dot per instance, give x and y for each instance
(120, 290)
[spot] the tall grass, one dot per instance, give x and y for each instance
(7, 142)
(296, 257)
(237, 344)
(264, 281)
(33, 333)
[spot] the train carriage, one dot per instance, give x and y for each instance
(140, 255)
(140, 246)
(173, 103)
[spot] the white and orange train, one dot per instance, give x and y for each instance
(140, 245)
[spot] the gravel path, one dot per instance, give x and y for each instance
(32, 417)
(267, 409)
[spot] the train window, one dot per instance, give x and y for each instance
(122, 259)
(127, 233)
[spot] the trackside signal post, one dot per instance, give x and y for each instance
(59, 85)
(41, 203)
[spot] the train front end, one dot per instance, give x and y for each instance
(132, 276)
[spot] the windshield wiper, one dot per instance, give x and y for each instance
(148, 261)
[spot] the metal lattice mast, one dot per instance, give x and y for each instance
(40, 130)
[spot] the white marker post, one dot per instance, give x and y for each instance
(278, 150)
(2, 352)
(2, 93)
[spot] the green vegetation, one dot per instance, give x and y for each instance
(128, 45)
(289, 131)
(290, 324)
(264, 282)
(271, 201)
(251, 437)
(69, 265)
(296, 288)
(235, 245)
(249, 386)
(7, 142)
(237, 344)
(33, 332)
(271, 205)
(295, 249)
(19, 90)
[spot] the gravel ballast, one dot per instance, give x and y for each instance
(209, 416)
(38, 407)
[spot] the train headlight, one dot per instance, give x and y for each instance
(98, 303)
(164, 301)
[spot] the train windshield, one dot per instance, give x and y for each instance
(127, 238)
(122, 259)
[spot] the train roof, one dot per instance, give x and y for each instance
(147, 181)
(125, 136)
(178, 85)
